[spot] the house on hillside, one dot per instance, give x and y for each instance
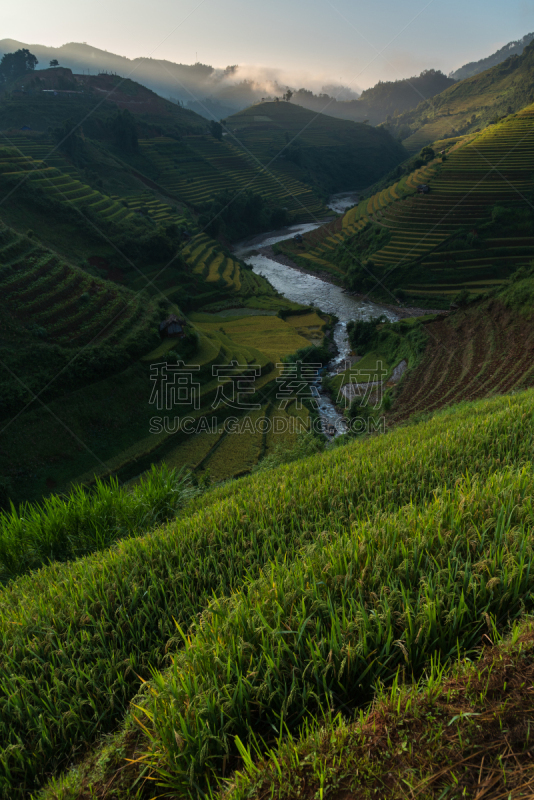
(172, 327)
(423, 188)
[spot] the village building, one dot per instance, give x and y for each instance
(172, 327)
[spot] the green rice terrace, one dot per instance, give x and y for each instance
(200, 167)
(469, 105)
(101, 339)
(255, 628)
(470, 232)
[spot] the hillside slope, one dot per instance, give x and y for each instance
(332, 154)
(470, 104)
(349, 555)
(391, 98)
(470, 231)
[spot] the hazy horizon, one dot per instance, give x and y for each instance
(353, 44)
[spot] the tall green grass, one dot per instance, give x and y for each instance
(351, 610)
(77, 637)
(61, 528)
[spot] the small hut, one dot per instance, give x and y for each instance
(172, 327)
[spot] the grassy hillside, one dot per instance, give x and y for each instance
(314, 581)
(201, 168)
(332, 154)
(469, 233)
(470, 104)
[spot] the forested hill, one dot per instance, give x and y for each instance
(514, 48)
(393, 97)
(332, 154)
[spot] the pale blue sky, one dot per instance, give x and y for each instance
(321, 39)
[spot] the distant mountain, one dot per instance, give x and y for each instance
(469, 105)
(218, 93)
(475, 67)
(393, 97)
(163, 77)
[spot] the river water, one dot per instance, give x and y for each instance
(309, 290)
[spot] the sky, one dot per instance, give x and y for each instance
(353, 42)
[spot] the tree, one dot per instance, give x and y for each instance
(216, 130)
(14, 65)
(124, 132)
(54, 63)
(427, 154)
(288, 95)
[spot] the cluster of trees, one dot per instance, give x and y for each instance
(216, 129)
(14, 65)
(237, 216)
(120, 128)
(70, 142)
(392, 98)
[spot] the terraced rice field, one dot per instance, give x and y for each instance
(243, 341)
(198, 168)
(36, 160)
(63, 303)
(206, 259)
(60, 185)
(470, 355)
(145, 203)
(495, 167)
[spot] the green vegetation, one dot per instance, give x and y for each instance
(391, 505)
(198, 169)
(226, 641)
(388, 99)
(64, 528)
(236, 217)
(471, 231)
(239, 676)
(415, 737)
(331, 154)
(469, 105)
(406, 339)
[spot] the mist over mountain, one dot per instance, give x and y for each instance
(211, 92)
(216, 93)
(514, 48)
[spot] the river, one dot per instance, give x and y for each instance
(309, 290)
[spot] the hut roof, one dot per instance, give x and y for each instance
(172, 325)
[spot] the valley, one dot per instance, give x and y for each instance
(266, 431)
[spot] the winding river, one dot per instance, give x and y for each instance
(309, 290)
